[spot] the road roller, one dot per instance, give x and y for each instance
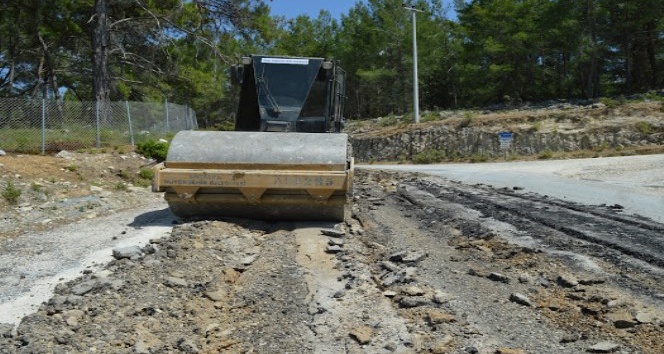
(287, 158)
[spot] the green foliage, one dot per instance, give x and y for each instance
(121, 186)
(495, 52)
(388, 121)
(429, 117)
(610, 102)
(479, 157)
(429, 156)
(146, 173)
(11, 193)
(71, 168)
(645, 128)
(153, 149)
(545, 155)
(535, 126)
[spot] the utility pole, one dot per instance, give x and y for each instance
(416, 90)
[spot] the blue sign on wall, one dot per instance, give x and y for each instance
(505, 135)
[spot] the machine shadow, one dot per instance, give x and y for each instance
(162, 217)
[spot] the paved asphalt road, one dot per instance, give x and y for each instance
(635, 182)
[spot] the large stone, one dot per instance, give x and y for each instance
(333, 233)
(622, 319)
(130, 252)
(363, 334)
(567, 281)
(521, 299)
(604, 347)
(175, 282)
(217, 295)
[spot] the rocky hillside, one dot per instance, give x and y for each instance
(541, 132)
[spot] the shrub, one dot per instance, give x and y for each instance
(11, 193)
(644, 128)
(478, 157)
(153, 149)
(146, 173)
(545, 155)
(388, 121)
(429, 156)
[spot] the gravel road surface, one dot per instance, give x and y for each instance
(425, 265)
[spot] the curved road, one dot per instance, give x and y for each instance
(635, 182)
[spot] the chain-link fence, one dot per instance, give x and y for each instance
(28, 125)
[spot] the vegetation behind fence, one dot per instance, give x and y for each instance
(34, 126)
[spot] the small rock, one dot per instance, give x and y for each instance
(389, 293)
(175, 282)
(188, 346)
(621, 319)
(84, 287)
(544, 282)
(408, 256)
(390, 266)
(524, 279)
(72, 322)
(520, 299)
(438, 317)
(570, 338)
(216, 296)
(362, 334)
(335, 242)
(249, 259)
(413, 301)
(443, 345)
(333, 233)
(64, 154)
(95, 189)
(441, 297)
(477, 273)
(509, 351)
(413, 256)
(211, 327)
(499, 277)
(567, 281)
(2, 152)
(397, 257)
(645, 316)
(413, 291)
(604, 347)
(130, 252)
(6, 330)
(339, 294)
(333, 249)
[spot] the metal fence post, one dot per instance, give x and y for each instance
(168, 128)
(43, 126)
(131, 129)
(98, 132)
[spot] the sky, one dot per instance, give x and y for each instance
(293, 8)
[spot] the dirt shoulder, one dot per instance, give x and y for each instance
(41, 192)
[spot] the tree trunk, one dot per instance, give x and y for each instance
(100, 47)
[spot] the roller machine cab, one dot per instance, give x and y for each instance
(287, 159)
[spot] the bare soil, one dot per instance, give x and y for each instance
(423, 266)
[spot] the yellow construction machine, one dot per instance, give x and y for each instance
(287, 159)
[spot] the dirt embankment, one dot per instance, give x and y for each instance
(594, 130)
